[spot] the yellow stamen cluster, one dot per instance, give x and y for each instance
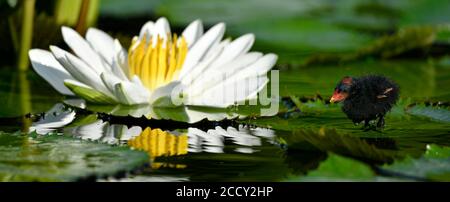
(156, 64)
(160, 143)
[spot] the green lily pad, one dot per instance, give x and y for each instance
(61, 158)
(434, 113)
(425, 12)
(123, 9)
(434, 165)
(403, 41)
(338, 168)
(286, 32)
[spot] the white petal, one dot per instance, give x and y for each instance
(128, 133)
(110, 81)
(79, 70)
(204, 64)
(193, 32)
(112, 133)
(243, 84)
(120, 61)
(253, 77)
(243, 138)
(214, 50)
(211, 77)
(130, 93)
(238, 47)
(201, 47)
(209, 139)
(54, 118)
(161, 97)
(242, 61)
(135, 45)
(137, 80)
(93, 131)
(230, 92)
(260, 67)
(262, 82)
(49, 68)
(161, 29)
(82, 49)
(102, 43)
(146, 30)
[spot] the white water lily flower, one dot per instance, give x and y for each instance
(155, 66)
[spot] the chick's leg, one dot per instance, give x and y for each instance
(380, 123)
(366, 123)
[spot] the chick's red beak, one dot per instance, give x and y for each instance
(338, 97)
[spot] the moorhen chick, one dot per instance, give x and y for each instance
(366, 98)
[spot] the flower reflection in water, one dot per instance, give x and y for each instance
(160, 144)
(157, 142)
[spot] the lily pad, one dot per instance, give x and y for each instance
(286, 32)
(440, 114)
(433, 166)
(123, 9)
(339, 168)
(61, 158)
(425, 12)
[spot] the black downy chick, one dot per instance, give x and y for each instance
(366, 98)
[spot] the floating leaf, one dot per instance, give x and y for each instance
(339, 168)
(434, 113)
(61, 158)
(434, 165)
